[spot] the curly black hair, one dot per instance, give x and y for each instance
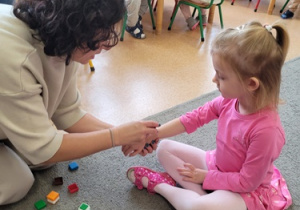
(64, 25)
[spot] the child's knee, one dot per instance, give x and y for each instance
(163, 147)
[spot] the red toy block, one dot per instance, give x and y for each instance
(73, 188)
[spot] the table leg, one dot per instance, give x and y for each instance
(211, 14)
(271, 7)
(159, 16)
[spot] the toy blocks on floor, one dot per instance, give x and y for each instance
(73, 166)
(84, 206)
(53, 197)
(40, 204)
(73, 188)
(57, 181)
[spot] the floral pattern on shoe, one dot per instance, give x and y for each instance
(154, 178)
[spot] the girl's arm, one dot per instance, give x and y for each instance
(171, 128)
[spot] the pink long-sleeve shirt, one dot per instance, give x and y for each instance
(246, 145)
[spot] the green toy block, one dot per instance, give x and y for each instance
(40, 204)
(84, 206)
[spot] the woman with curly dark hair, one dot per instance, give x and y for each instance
(43, 43)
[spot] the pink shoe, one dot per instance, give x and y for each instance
(154, 178)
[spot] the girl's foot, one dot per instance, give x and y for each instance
(192, 23)
(140, 22)
(287, 14)
(204, 19)
(144, 177)
(136, 31)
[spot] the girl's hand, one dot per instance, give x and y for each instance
(142, 149)
(149, 147)
(192, 174)
(132, 150)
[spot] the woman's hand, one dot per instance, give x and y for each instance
(134, 132)
(192, 174)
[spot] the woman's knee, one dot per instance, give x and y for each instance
(16, 178)
(16, 188)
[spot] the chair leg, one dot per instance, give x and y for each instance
(232, 2)
(258, 1)
(221, 16)
(123, 27)
(154, 5)
(284, 6)
(152, 2)
(176, 2)
(173, 16)
(194, 11)
(200, 23)
(151, 14)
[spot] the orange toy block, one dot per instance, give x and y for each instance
(53, 197)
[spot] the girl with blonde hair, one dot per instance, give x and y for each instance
(240, 173)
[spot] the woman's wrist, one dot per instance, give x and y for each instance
(111, 137)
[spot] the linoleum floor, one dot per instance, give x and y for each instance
(139, 78)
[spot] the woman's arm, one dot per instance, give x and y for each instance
(88, 123)
(90, 135)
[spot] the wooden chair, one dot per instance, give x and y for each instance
(125, 21)
(198, 7)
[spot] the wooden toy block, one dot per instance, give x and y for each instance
(73, 188)
(84, 206)
(53, 197)
(57, 181)
(73, 166)
(40, 204)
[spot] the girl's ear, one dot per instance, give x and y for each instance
(253, 84)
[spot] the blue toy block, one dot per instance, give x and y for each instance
(73, 166)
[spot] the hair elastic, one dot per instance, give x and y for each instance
(268, 27)
(240, 28)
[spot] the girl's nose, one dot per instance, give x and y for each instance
(214, 79)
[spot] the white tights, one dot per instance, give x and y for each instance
(171, 155)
